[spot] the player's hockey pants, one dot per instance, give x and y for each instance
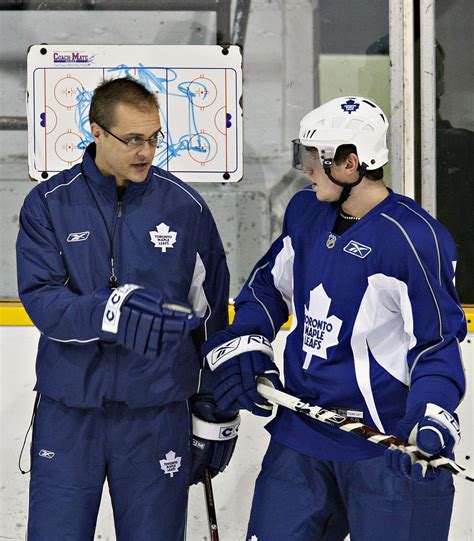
(301, 498)
(143, 453)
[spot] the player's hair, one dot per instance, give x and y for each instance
(344, 150)
(112, 92)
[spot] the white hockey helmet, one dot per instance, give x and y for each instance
(345, 121)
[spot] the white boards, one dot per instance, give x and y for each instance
(199, 90)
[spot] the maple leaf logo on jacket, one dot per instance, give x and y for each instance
(163, 238)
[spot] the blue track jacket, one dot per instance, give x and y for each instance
(164, 238)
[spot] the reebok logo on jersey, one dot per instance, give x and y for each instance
(357, 249)
(163, 238)
(46, 454)
(77, 237)
(171, 463)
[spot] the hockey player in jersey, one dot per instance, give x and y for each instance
(368, 277)
(121, 268)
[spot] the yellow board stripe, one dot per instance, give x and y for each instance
(12, 314)
(285, 326)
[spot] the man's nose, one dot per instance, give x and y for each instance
(147, 149)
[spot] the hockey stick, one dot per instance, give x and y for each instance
(280, 398)
(211, 508)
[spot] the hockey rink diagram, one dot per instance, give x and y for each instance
(199, 108)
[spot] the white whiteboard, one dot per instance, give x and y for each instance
(199, 90)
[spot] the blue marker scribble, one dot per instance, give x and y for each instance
(83, 98)
(192, 91)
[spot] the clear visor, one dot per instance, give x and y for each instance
(305, 158)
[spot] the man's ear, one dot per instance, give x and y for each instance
(97, 132)
(352, 163)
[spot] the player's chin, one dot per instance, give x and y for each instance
(325, 197)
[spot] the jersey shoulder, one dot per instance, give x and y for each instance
(406, 219)
(304, 206)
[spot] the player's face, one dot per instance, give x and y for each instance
(323, 187)
(115, 158)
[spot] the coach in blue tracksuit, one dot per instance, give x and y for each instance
(121, 268)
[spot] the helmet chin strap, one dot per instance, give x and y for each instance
(346, 187)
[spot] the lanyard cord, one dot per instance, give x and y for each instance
(33, 415)
(113, 281)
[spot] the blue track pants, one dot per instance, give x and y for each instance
(301, 498)
(143, 453)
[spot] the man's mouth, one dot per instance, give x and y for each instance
(140, 167)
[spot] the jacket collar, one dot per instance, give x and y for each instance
(106, 184)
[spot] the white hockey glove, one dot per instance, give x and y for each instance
(434, 431)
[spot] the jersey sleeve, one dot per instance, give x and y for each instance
(265, 301)
(434, 313)
(58, 312)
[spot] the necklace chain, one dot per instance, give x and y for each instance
(347, 216)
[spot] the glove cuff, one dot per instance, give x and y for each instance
(111, 317)
(237, 346)
(444, 418)
(215, 431)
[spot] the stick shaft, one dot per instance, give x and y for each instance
(210, 506)
(368, 433)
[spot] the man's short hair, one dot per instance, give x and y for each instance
(344, 150)
(112, 92)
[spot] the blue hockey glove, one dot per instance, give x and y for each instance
(141, 321)
(434, 431)
(214, 436)
(237, 363)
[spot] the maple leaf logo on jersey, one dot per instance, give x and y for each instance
(320, 331)
(163, 238)
(171, 463)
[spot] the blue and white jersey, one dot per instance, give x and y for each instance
(164, 238)
(376, 318)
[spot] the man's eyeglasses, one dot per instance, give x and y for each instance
(137, 142)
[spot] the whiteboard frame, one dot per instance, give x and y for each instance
(191, 158)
